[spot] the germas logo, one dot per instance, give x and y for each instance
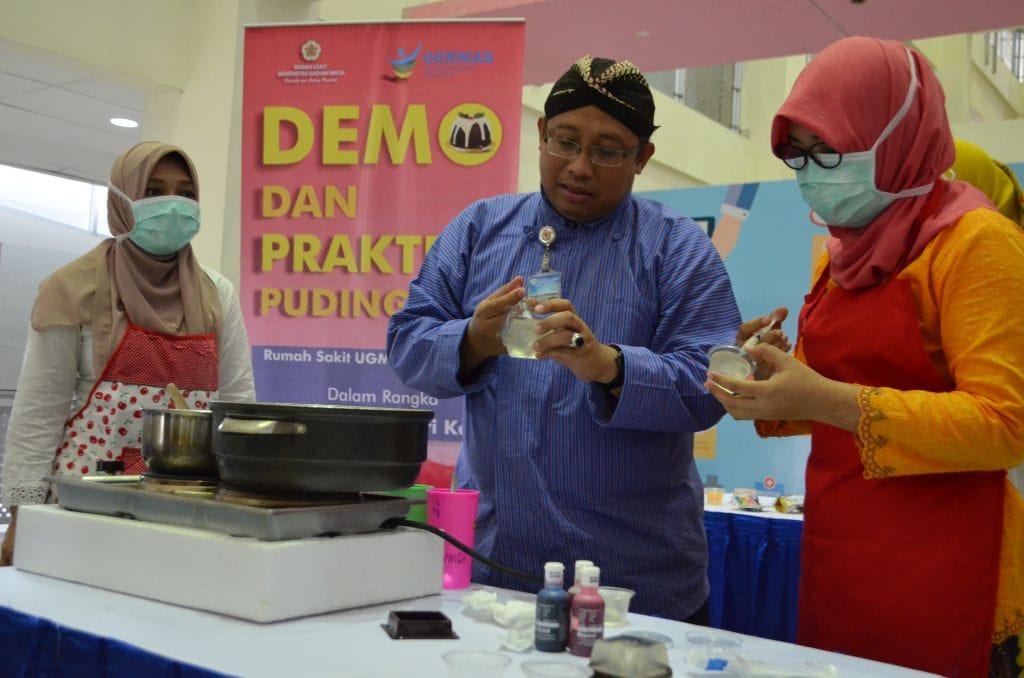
(403, 64)
(456, 57)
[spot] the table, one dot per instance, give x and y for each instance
(754, 570)
(52, 622)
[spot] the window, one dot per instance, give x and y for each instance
(713, 91)
(1008, 47)
(66, 201)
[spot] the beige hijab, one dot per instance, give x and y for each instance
(117, 283)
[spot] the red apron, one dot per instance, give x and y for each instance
(902, 569)
(109, 424)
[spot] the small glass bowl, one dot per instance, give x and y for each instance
(549, 668)
(475, 663)
(722, 639)
(731, 360)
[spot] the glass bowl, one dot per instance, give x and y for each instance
(722, 639)
(475, 663)
(730, 360)
(550, 668)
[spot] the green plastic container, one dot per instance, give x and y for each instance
(418, 512)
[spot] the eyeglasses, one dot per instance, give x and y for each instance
(604, 156)
(796, 157)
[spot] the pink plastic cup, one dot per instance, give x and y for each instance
(455, 513)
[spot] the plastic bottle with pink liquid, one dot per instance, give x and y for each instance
(586, 625)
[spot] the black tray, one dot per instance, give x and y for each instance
(418, 624)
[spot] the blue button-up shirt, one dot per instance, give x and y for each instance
(564, 471)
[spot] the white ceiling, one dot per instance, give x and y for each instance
(56, 118)
(54, 114)
(661, 35)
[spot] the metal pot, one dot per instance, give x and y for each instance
(178, 442)
(284, 448)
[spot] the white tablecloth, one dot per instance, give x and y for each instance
(350, 643)
(766, 513)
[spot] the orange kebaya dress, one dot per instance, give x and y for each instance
(913, 548)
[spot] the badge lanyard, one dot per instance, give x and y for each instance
(546, 284)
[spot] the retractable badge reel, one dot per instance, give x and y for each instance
(545, 284)
(518, 333)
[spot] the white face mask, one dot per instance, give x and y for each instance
(847, 195)
(163, 224)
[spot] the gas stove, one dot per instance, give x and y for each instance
(190, 547)
(207, 504)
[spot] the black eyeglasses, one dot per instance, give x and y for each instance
(796, 157)
(605, 156)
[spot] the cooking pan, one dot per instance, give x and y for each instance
(177, 442)
(283, 448)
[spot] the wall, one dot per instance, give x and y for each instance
(30, 249)
(187, 54)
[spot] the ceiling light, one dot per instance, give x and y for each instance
(123, 122)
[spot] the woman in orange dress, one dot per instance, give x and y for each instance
(907, 373)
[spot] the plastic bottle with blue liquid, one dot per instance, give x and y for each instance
(551, 630)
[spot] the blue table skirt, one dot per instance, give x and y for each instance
(31, 646)
(754, 568)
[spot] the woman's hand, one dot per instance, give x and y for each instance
(793, 392)
(7, 550)
(774, 337)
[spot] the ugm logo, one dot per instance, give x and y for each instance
(403, 64)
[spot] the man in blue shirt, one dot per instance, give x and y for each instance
(586, 452)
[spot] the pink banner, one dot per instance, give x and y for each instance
(360, 142)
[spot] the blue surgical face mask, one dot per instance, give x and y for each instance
(846, 195)
(163, 224)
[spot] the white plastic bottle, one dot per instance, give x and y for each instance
(577, 576)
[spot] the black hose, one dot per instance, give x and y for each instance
(392, 523)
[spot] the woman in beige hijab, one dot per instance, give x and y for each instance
(111, 329)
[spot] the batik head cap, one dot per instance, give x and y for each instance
(616, 87)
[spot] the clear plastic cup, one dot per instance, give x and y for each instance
(616, 604)
(475, 663)
(714, 496)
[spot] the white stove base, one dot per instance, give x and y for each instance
(238, 576)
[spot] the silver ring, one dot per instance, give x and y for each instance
(576, 340)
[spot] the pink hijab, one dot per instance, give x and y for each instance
(117, 283)
(847, 95)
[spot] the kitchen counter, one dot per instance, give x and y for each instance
(350, 643)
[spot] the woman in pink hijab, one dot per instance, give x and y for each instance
(907, 373)
(111, 329)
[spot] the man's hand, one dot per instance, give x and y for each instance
(483, 336)
(591, 361)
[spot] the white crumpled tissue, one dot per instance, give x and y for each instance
(516, 615)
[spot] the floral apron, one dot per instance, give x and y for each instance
(901, 569)
(109, 424)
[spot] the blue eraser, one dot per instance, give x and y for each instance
(716, 664)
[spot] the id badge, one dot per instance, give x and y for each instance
(544, 286)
